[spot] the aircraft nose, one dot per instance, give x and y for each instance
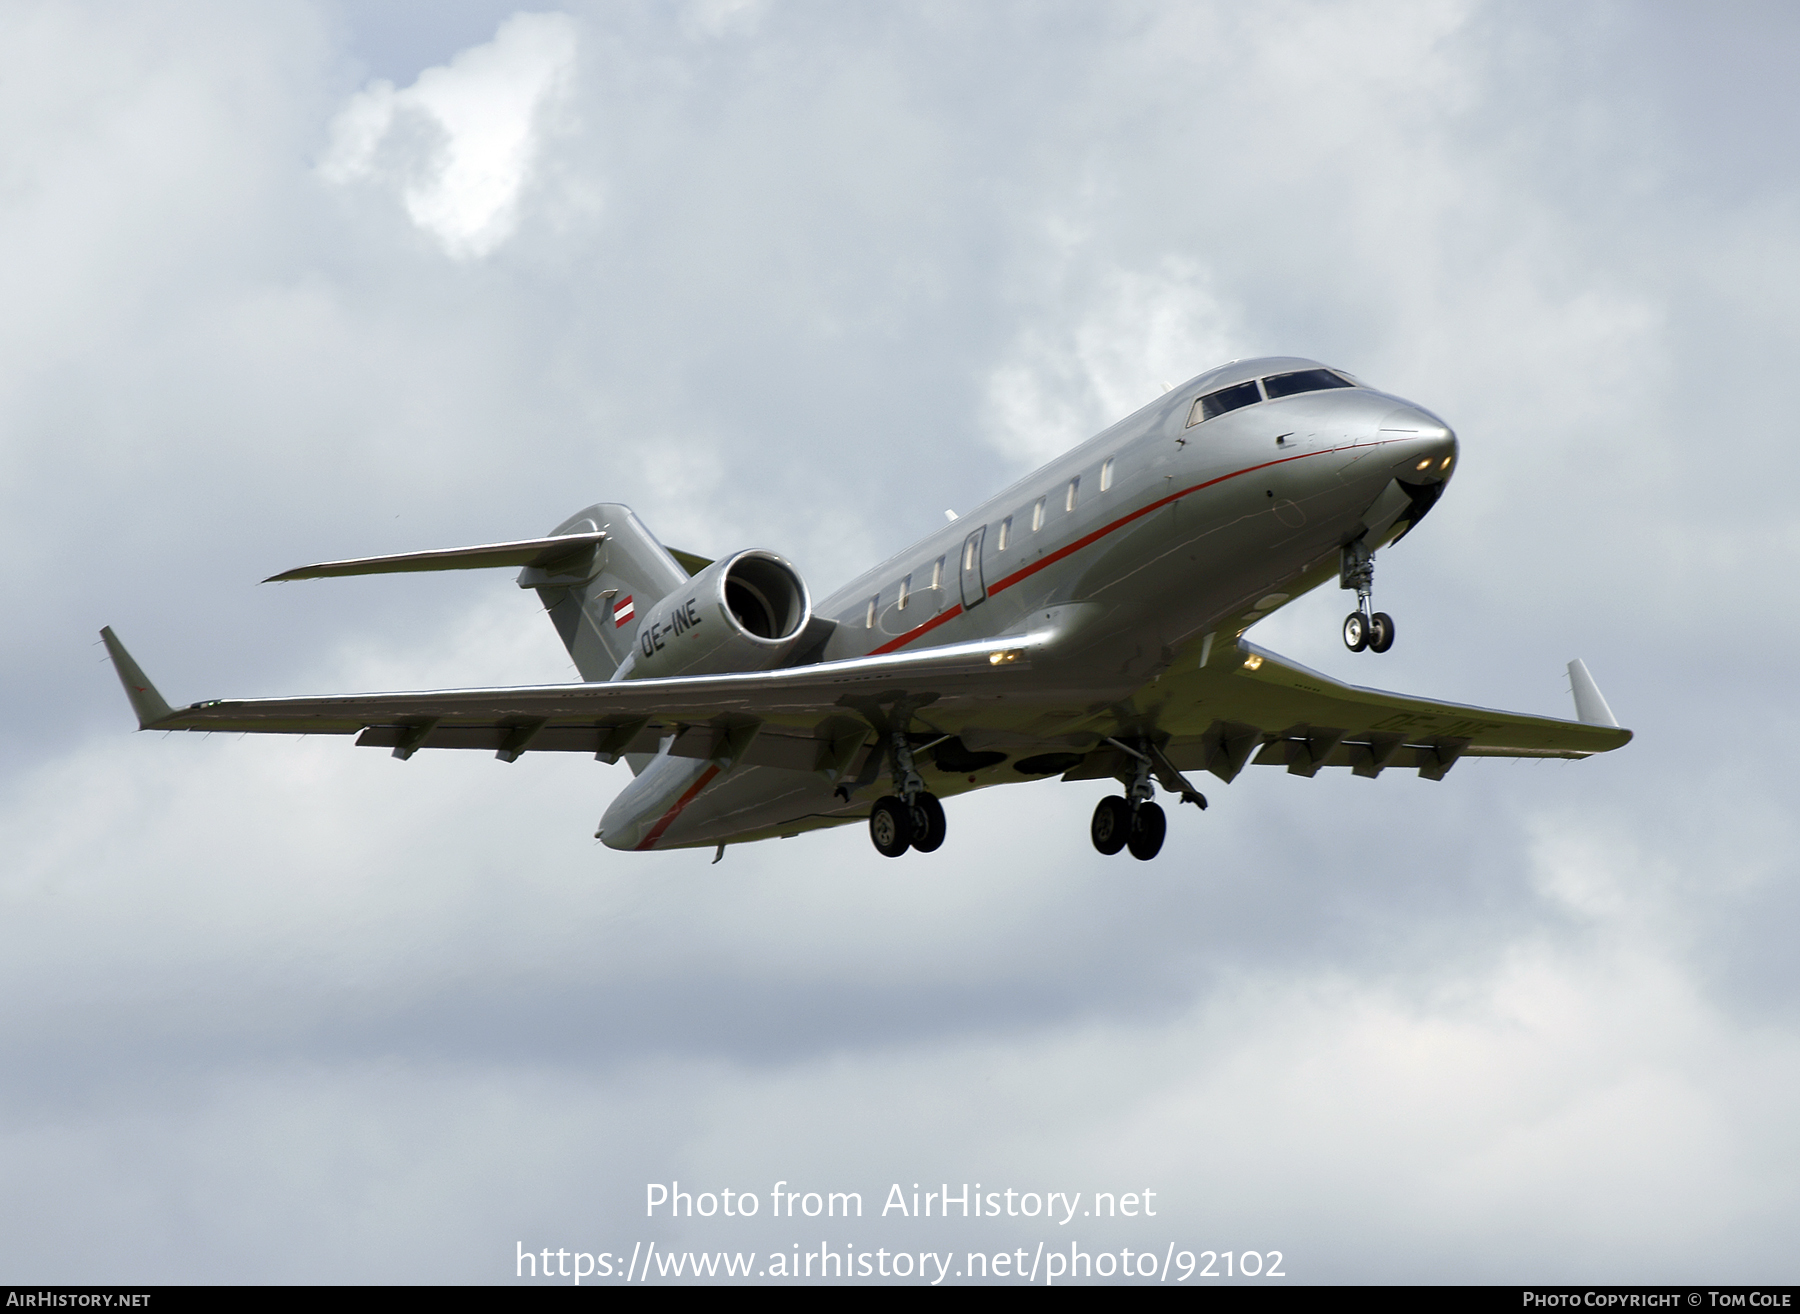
(1424, 447)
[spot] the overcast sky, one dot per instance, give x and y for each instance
(287, 281)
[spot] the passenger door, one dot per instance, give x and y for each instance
(974, 591)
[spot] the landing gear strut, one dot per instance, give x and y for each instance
(1356, 570)
(910, 818)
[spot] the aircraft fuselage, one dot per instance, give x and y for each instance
(1150, 538)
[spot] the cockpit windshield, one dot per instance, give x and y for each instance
(1215, 404)
(1225, 399)
(1286, 385)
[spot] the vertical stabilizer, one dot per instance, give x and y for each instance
(1589, 705)
(595, 603)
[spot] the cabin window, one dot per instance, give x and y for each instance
(969, 552)
(1286, 385)
(1225, 399)
(1005, 533)
(937, 573)
(869, 620)
(1106, 474)
(1070, 496)
(1037, 516)
(905, 588)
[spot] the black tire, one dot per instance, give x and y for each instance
(890, 826)
(1148, 826)
(928, 823)
(1356, 631)
(1381, 632)
(1111, 825)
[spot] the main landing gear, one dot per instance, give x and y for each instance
(895, 827)
(1135, 822)
(1356, 570)
(911, 819)
(1118, 825)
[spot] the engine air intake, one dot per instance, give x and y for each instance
(765, 597)
(745, 612)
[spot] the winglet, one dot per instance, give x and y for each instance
(1589, 705)
(145, 701)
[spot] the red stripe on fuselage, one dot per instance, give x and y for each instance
(916, 631)
(1025, 572)
(668, 818)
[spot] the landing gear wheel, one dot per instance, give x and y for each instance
(1381, 632)
(1148, 826)
(927, 823)
(1111, 825)
(890, 826)
(1356, 631)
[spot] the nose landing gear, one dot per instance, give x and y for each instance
(1356, 570)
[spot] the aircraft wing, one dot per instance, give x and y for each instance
(1241, 704)
(813, 717)
(1248, 704)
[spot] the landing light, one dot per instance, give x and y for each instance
(1425, 464)
(1446, 464)
(1252, 662)
(1002, 657)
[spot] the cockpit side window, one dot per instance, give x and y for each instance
(1286, 385)
(1225, 399)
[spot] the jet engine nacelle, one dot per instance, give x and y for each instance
(744, 612)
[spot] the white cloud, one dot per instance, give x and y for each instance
(722, 18)
(1141, 333)
(296, 1010)
(433, 1015)
(459, 144)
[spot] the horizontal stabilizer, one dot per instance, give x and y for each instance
(526, 552)
(145, 701)
(1590, 706)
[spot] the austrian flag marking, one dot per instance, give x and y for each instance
(623, 611)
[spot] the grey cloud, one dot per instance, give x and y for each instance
(296, 1011)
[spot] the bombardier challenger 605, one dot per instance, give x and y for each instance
(1087, 623)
